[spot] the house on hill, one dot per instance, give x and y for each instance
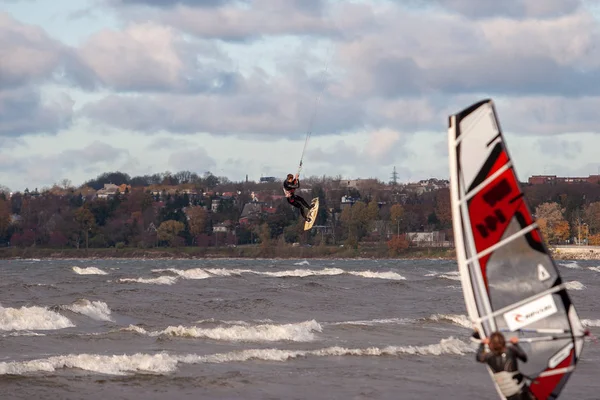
(108, 191)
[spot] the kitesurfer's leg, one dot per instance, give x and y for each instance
(294, 201)
(303, 202)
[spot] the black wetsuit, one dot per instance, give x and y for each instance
(507, 362)
(289, 188)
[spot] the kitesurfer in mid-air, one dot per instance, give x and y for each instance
(503, 362)
(289, 187)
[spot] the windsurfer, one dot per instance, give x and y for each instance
(289, 187)
(503, 362)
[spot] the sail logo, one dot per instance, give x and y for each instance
(530, 312)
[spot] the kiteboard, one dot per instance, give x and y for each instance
(312, 214)
(510, 282)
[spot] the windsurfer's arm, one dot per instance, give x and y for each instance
(521, 355)
(480, 355)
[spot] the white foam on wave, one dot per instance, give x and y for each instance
(575, 285)
(227, 272)
(161, 280)
(378, 275)
(302, 273)
(110, 365)
(89, 271)
(32, 318)
(590, 322)
(305, 262)
(451, 275)
(372, 322)
(164, 363)
(193, 273)
(200, 273)
(596, 269)
(97, 310)
(295, 332)
(456, 319)
(571, 265)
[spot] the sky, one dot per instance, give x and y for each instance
(235, 86)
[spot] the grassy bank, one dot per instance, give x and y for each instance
(249, 251)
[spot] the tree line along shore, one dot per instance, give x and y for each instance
(202, 216)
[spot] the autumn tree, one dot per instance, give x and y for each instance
(592, 217)
(169, 232)
(264, 233)
(4, 217)
(85, 222)
(552, 223)
(443, 211)
(396, 214)
(354, 220)
(197, 220)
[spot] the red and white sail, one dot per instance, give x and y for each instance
(510, 282)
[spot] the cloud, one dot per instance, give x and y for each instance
(235, 20)
(509, 8)
(170, 3)
(23, 111)
(150, 57)
(192, 160)
(559, 148)
(259, 108)
(42, 170)
(380, 147)
(549, 115)
(29, 55)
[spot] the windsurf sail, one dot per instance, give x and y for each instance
(510, 282)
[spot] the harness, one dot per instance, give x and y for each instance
(507, 383)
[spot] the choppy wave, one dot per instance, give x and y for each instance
(590, 322)
(164, 363)
(456, 319)
(32, 318)
(298, 332)
(200, 273)
(575, 285)
(571, 265)
(97, 310)
(193, 273)
(161, 280)
(452, 275)
(305, 262)
(373, 322)
(89, 271)
(597, 269)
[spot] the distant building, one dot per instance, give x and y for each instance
(264, 179)
(108, 191)
(550, 179)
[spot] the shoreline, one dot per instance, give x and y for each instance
(271, 252)
(240, 252)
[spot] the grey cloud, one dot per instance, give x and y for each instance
(42, 170)
(508, 8)
(418, 55)
(258, 109)
(549, 115)
(28, 54)
(196, 160)
(158, 59)
(22, 111)
(559, 148)
(262, 17)
(172, 3)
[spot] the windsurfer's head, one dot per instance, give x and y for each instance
(290, 176)
(497, 343)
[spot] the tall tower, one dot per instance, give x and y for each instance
(394, 180)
